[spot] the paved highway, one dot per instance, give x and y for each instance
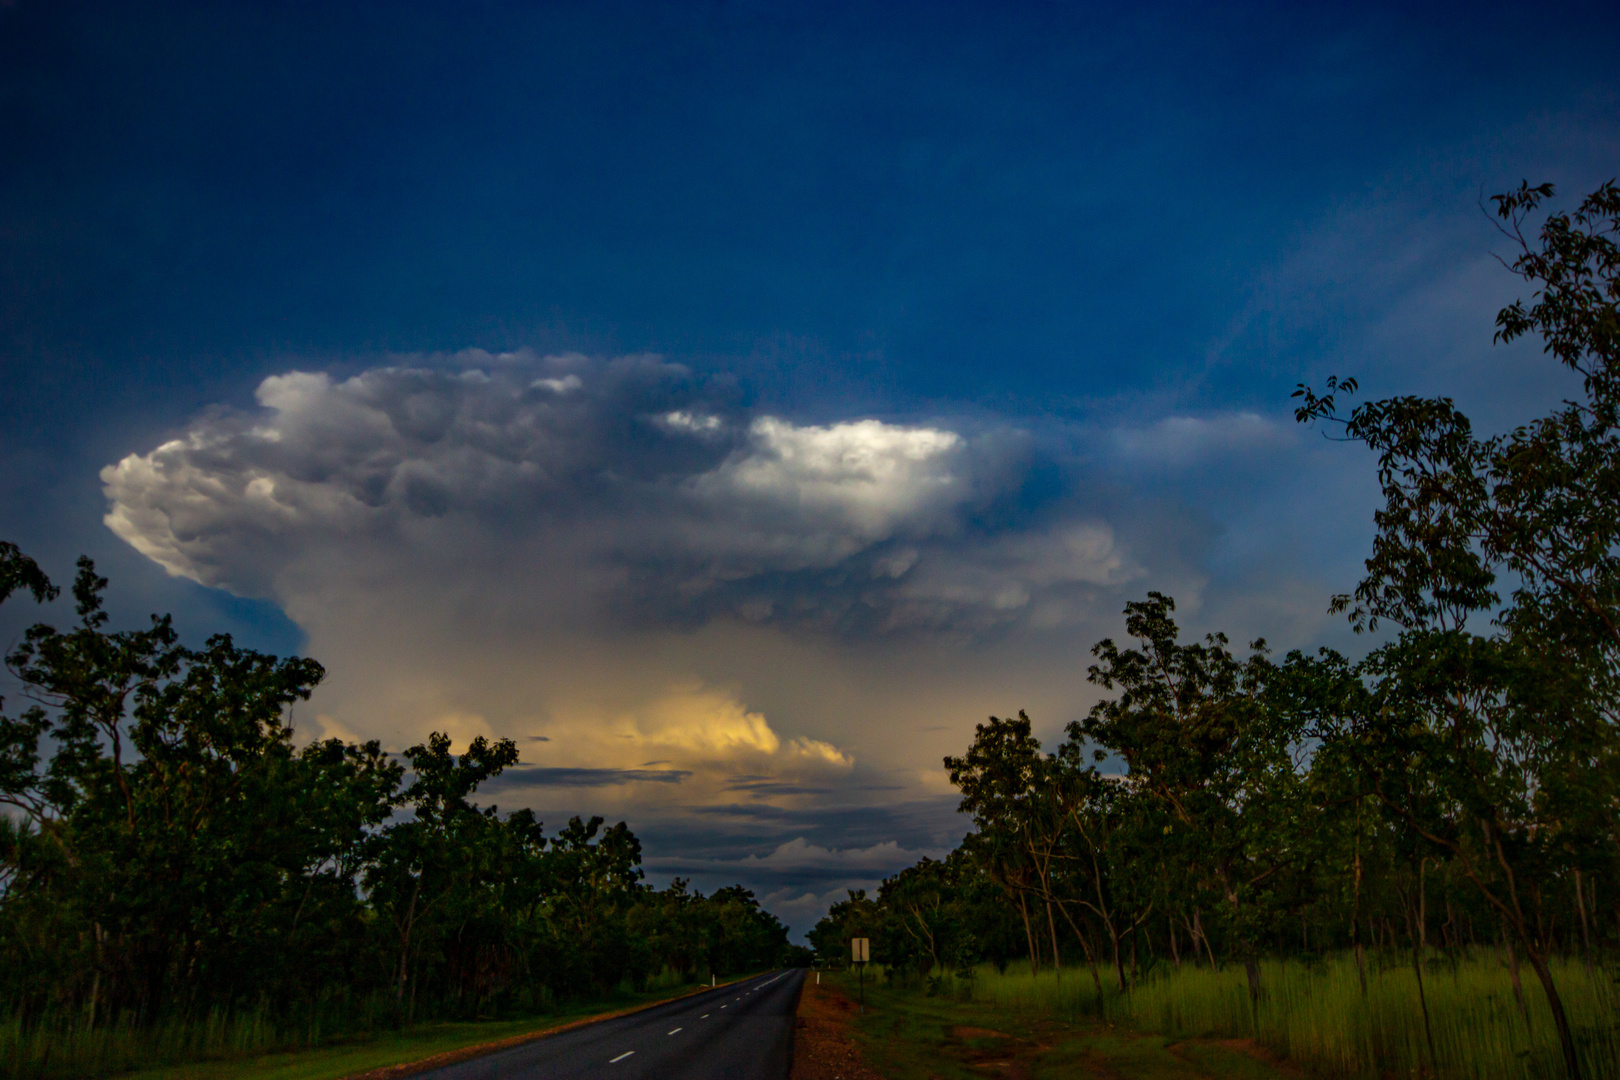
(738, 1032)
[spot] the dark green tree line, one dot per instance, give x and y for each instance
(168, 851)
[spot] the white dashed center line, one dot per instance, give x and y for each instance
(673, 1032)
(705, 1016)
(621, 1057)
(725, 1006)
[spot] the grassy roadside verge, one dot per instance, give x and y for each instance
(907, 1035)
(392, 1051)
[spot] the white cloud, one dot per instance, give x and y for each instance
(681, 420)
(864, 479)
(565, 385)
(858, 524)
(692, 605)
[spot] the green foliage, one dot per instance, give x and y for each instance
(173, 866)
(1455, 790)
(1498, 751)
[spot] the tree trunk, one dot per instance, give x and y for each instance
(95, 981)
(405, 951)
(1513, 974)
(1414, 932)
(1091, 956)
(1051, 926)
(1423, 909)
(1251, 961)
(1566, 1038)
(1355, 914)
(1586, 929)
(1251, 968)
(1034, 958)
(1175, 953)
(1361, 966)
(1198, 927)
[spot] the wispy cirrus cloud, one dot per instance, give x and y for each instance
(1188, 441)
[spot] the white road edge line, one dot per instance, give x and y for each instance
(621, 1057)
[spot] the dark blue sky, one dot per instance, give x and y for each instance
(1123, 235)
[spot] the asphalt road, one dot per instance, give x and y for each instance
(738, 1032)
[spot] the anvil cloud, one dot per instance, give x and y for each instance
(664, 506)
(849, 366)
(678, 605)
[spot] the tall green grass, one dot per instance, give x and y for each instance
(61, 1050)
(52, 1050)
(1316, 1015)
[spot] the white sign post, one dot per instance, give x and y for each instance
(860, 950)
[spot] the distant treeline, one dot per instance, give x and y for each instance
(1458, 787)
(169, 852)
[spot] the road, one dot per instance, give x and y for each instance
(737, 1032)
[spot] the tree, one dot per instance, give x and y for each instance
(445, 845)
(855, 916)
(18, 571)
(168, 824)
(1003, 780)
(168, 853)
(1193, 726)
(1515, 731)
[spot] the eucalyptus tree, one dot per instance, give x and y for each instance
(1192, 724)
(443, 846)
(857, 915)
(169, 851)
(18, 571)
(171, 837)
(1007, 787)
(1111, 868)
(1501, 747)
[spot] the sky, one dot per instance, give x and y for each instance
(734, 403)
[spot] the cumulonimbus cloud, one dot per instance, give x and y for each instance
(729, 626)
(673, 505)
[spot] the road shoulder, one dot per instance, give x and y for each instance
(823, 1044)
(906, 1034)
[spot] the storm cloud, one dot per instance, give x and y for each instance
(667, 504)
(750, 635)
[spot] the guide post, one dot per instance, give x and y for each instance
(861, 953)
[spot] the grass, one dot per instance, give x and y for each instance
(334, 1062)
(907, 1035)
(218, 1048)
(1316, 1017)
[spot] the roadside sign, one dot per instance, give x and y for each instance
(860, 952)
